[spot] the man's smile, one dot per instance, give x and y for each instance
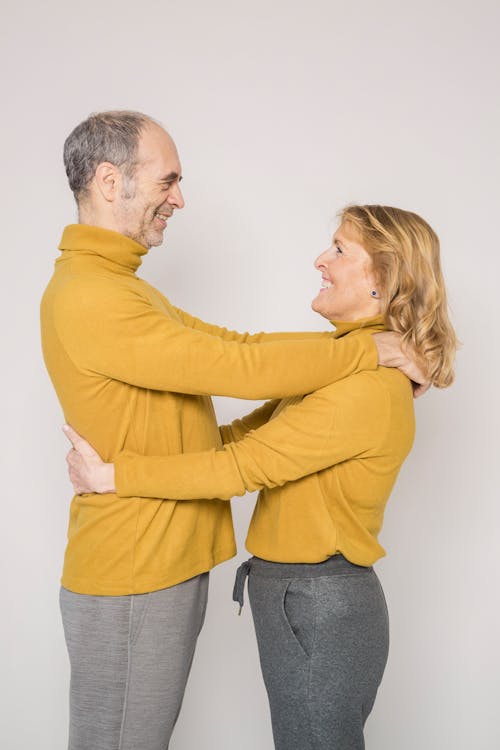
(162, 218)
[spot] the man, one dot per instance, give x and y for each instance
(132, 371)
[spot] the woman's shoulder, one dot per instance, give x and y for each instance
(384, 381)
(379, 396)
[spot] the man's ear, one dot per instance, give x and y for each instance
(108, 181)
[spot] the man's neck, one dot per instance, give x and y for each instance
(87, 214)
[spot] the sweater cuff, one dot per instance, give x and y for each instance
(370, 361)
(123, 478)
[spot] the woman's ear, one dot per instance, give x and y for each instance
(372, 282)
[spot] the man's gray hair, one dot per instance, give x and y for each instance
(104, 136)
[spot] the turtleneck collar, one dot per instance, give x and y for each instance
(82, 239)
(372, 325)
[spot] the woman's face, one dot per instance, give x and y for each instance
(347, 280)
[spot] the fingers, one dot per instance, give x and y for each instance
(79, 486)
(72, 435)
(420, 388)
(83, 462)
(78, 442)
(78, 489)
(74, 476)
(73, 459)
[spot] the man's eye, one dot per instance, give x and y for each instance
(339, 250)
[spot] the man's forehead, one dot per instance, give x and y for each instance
(155, 144)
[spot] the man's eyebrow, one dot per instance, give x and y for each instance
(171, 177)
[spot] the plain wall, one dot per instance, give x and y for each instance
(283, 112)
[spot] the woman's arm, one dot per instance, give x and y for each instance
(339, 422)
(89, 473)
(230, 433)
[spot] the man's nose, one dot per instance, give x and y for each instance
(175, 197)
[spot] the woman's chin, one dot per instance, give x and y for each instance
(320, 308)
(316, 304)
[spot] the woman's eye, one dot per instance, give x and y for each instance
(338, 250)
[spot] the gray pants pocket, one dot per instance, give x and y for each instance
(299, 612)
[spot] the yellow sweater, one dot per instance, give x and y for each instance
(133, 372)
(325, 465)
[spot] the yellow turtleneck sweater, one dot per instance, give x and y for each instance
(134, 373)
(325, 464)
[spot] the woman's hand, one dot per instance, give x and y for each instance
(87, 471)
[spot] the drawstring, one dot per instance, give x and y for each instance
(239, 583)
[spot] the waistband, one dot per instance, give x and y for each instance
(335, 565)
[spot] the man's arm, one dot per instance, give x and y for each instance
(388, 343)
(388, 346)
(116, 332)
(246, 338)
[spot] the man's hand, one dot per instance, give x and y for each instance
(390, 354)
(87, 471)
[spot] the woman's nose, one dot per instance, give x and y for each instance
(320, 261)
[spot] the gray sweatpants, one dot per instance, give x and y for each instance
(130, 659)
(322, 632)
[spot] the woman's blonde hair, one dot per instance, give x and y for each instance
(405, 255)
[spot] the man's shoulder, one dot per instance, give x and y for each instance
(90, 286)
(102, 297)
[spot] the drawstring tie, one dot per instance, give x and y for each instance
(239, 583)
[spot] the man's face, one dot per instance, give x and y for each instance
(149, 198)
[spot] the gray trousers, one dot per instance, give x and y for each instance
(130, 659)
(322, 632)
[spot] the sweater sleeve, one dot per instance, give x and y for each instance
(247, 338)
(240, 427)
(339, 422)
(116, 332)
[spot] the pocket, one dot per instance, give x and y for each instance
(299, 612)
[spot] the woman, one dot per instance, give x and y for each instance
(325, 465)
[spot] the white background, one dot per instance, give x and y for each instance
(283, 112)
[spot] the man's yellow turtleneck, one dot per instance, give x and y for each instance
(134, 373)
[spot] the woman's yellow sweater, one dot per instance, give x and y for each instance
(134, 373)
(325, 464)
